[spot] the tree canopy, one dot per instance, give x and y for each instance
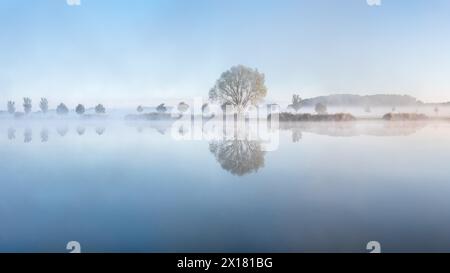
(44, 105)
(80, 109)
(27, 105)
(11, 107)
(161, 108)
(296, 103)
(100, 109)
(62, 109)
(240, 87)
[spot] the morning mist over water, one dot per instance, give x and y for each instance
(224, 127)
(108, 183)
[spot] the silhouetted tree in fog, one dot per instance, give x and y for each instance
(80, 109)
(44, 105)
(140, 109)
(62, 109)
(100, 109)
(161, 108)
(11, 107)
(296, 103)
(27, 105)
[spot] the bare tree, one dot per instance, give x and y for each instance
(44, 105)
(11, 107)
(27, 105)
(296, 103)
(240, 87)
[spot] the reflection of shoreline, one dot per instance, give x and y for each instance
(44, 133)
(160, 126)
(240, 154)
(350, 129)
(256, 131)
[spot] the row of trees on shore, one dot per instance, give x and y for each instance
(237, 88)
(182, 107)
(61, 109)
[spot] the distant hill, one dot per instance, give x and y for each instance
(362, 101)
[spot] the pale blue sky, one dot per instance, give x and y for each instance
(118, 51)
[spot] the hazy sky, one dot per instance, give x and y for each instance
(117, 51)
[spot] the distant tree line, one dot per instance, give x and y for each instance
(61, 109)
(297, 104)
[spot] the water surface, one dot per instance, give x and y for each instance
(121, 187)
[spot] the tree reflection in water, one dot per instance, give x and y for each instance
(296, 135)
(11, 133)
(100, 130)
(81, 130)
(62, 131)
(27, 135)
(44, 135)
(239, 157)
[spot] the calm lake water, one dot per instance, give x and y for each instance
(132, 187)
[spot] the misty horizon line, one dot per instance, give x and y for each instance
(153, 103)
